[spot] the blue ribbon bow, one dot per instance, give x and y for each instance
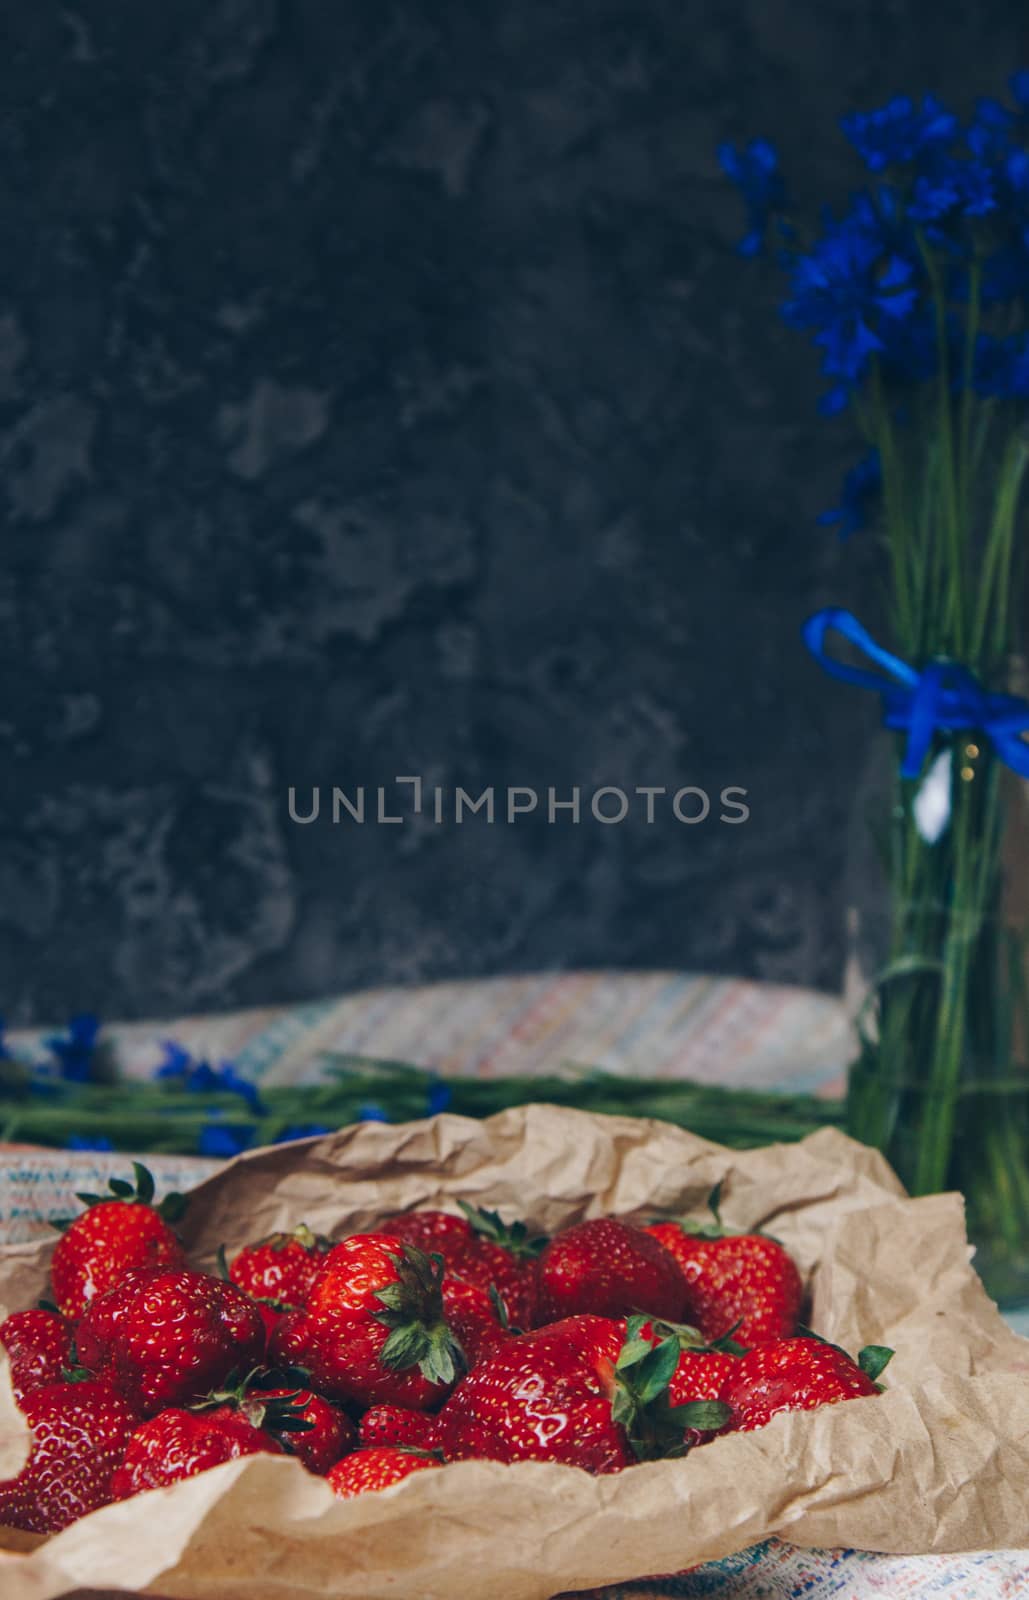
(943, 698)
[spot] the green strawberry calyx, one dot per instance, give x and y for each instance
(514, 1236)
(279, 1413)
(873, 1359)
(692, 1339)
(140, 1193)
(316, 1243)
(656, 1429)
(413, 1312)
(716, 1228)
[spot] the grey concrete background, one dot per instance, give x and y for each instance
(380, 393)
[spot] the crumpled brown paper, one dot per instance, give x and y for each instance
(940, 1462)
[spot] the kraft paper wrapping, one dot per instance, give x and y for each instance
(939, 1462)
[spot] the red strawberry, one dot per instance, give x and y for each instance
(115, 1235)
(798, 1375)
(39, 1347)
(578, 1392)
(609, 1269)
(281, 1268)
(304, 1423)
(79, 1432)
(504, 1255)
(272, 1314)
(701, 1373)
(433, 1233)
(373, 1328)
(376, 1469)
(745, 1283)
(398, 1425)
(479, 1248)
(179, 1444)
(166, 1338)
(475, 1317)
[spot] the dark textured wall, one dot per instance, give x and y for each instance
(379, 393)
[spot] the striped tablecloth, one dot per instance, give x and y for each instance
(651, 1024)
(654, 1024)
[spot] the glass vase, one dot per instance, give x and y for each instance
(940, 1084)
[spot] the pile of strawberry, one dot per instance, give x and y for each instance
(437, 1338)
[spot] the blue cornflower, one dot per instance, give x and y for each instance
(302, 1130)
(371, 1113)
(438, 1098)
(861, 489)
(224, 1138)
(899, 132)
(74, 1051)
(1002, 367)
(754, 169)
(78, 1141)
(953, 188)
(988, 135)
(199, 1077)
(854, 295)
(176, 1063)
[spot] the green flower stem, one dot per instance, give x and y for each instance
(935, 1086)
(147, 1116)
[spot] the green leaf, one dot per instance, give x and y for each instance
(405, 1347)
(144, 1183)
(222, 1264)
(514, 1236)
(623, 1407)
(874, 1359)
(705, 1415)
(497, 1301)
(121, 1188)
(634, 1325)
(631, 1353)
(93, 1199)
(173, 1207)
(656, 1369)
(395, 1297)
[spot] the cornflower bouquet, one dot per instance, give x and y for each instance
(76, 1096)
(916, 297)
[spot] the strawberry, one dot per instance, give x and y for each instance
(304, 1423)
(397, 1425)
(113, 1236)
(79, 1433)
(433, 1233)
(798, 1375)
(479, 1248)
(373, 1327)
(477, 1316)
(39, 1347)
(588, 1392)
(376, 1469)
(702, 1370)
(746, 1282)
(179, 1444)
(166, 1338)
(608, 1268)
(503, 1255)
(280, 1268)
